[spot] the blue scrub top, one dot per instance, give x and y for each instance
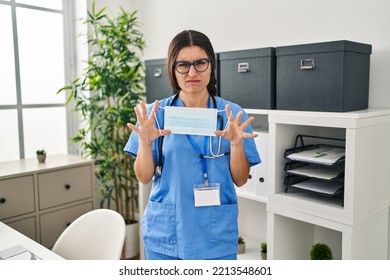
(171, 224)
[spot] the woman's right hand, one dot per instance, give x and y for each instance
(146, 129)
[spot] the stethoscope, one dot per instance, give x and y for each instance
(159, 166)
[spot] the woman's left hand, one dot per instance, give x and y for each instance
(235, 130)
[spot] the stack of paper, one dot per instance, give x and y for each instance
(318, 186)
(321, 155)
(318, 171)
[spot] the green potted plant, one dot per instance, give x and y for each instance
(113, 83)
(263, 250)
(241, 245)
(41, 155)
(320, 251)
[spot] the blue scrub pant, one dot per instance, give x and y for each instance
(150, 255)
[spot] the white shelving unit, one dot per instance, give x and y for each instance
(297, 220)
(292, 222)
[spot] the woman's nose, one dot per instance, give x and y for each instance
(192, 72)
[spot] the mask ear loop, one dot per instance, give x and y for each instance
(227, 123)
(158, 124)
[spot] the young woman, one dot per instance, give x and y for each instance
(192, 210)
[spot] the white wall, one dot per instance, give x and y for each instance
(113, 6)
(245, 24)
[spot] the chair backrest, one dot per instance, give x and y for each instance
(96, 235)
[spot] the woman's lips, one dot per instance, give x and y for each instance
(191, 82)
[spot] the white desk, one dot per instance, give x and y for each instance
(10, 237)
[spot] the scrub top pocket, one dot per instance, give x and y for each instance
(224, 229)
(159, 226)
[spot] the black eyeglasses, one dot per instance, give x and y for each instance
(200, 65)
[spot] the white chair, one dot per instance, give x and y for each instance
(96, 235)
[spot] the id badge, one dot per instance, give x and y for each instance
(207, 196)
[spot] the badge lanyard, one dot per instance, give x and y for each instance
(202, 158)
(205, 194)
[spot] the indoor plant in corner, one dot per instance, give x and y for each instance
(105, 96)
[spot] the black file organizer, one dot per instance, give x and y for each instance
(337, 182)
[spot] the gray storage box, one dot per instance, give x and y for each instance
(247, 77)
(328, 76)
(157, 83)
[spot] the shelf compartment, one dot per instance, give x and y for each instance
(321, 167)
(365, 240)
(293, 238)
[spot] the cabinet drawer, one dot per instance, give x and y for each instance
(54, 223)
(64, 186)
(16, 196)
(25, 226)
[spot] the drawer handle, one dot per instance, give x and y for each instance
(243, 67)
(157, 72)
(249, 176)
(2, 200)
(307, 64)
(67, 186)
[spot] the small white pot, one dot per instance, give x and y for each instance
(41, 158)
(241, 248)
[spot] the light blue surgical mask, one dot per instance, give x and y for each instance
(191, 121)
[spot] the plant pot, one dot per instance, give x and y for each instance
(132, 241)
(263, 255)
(241, 248)
(41, 158)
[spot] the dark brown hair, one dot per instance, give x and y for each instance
(189, 38)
